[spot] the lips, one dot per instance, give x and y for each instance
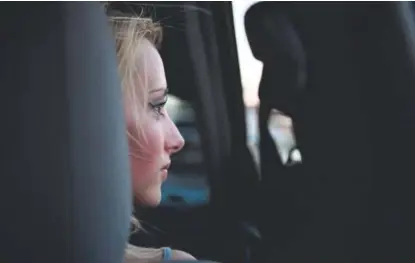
(166, 166)
(164, 171)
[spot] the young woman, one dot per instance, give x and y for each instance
(152, 136)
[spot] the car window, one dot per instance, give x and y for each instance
(187, 183)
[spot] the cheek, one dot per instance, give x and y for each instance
(145, 153)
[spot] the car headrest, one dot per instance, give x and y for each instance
(64, 185)
(274, 41)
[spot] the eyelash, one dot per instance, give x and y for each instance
(157, 108)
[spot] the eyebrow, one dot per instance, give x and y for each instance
(166, 91)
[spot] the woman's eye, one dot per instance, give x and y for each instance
(158, 108)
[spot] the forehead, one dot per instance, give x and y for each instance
(150, 66)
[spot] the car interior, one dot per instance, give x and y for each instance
(65, 189)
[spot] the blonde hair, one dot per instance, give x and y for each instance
(129, 33)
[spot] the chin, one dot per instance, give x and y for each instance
(151, 198)
(153, 201)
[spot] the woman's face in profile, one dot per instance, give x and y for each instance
(149, 167)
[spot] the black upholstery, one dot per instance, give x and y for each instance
(355, 124)
(64, 188)
(275, 42)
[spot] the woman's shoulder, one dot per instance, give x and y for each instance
(181, 255)
(142, 254)
(134, 254)
(172, 254)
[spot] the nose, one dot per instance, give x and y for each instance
(174, 140)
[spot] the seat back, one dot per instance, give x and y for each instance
(354, 124)
(64, 184)
(274, 41)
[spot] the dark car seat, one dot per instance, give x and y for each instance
(355, 124)
(64, 188)
(275, 42)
